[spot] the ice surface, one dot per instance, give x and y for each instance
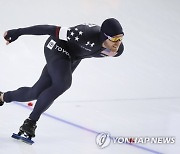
(136, 94)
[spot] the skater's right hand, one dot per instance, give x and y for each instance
(11, 35)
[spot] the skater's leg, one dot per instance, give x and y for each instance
(59, 69)
(25, 94)
(61, 75)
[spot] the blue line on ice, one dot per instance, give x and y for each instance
(84, 128)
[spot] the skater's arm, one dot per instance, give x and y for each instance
(12, 35)
(40, 30)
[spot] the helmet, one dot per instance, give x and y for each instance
(110, 27)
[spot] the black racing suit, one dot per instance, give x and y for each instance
(63, 50)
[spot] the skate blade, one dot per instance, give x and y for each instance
(23, 139)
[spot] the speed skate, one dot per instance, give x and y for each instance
(22, 136)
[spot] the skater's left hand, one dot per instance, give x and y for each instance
(11, 35)
(5, 35)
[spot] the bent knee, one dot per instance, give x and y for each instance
(62, 87)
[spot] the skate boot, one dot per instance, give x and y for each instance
(28, 128)
(26, 132)
(1, 101)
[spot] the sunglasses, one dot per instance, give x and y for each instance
(114, 39)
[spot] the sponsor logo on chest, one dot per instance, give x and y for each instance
(52, 43)
(60, 49)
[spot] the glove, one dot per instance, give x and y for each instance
(11, 35)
